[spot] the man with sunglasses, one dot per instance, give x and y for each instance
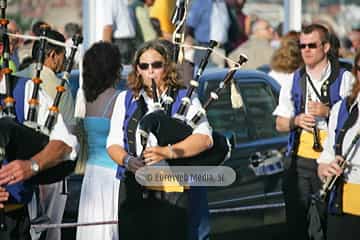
(303, 111)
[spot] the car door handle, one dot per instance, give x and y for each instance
(256, 159)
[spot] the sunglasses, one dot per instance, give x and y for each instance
(154, 65)
(309, 45)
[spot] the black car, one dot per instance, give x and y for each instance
(253, 205)
(254, 202)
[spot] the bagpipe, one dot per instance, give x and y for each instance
(24, 140)
(170, 130)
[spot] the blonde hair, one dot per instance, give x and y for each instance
(287, 58)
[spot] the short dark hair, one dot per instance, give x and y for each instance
(36, 27)
(71, 29)
(323, 31)
(101, 69)
(53, 34)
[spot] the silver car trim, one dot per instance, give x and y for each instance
(246, 198)
(255, 207)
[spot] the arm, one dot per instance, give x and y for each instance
(107, 33)
(328, 161)
(20, 170)
(199, 141)
(304, 121)
(115, 145)
(190, 146)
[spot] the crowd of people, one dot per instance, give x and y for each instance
(318, 107)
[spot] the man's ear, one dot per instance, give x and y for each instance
(52, 54)
(327, 47)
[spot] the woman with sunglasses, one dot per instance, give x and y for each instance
(158, 212)
(344, 124)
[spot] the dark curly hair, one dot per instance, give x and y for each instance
(101, 69)
(172, 77)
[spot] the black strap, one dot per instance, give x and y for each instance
(133, 123)
(324, 97)
(313, 87)
(350, 121)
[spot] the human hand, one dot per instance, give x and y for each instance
(305, 121)
(134, 164)
(4, 196)
(15, 171)
(318, 109)
(330, 169)
(153, 155)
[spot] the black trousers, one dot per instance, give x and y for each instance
(299, 184)
(18, 225)
(344, 227)
(145, 214)
(127, 49)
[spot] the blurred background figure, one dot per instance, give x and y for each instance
(354, 37)
(162, 11)
(212, 24)
(70, 30)
(243, 22)
(139, 12)
(286, 59)
(14, 43)
(258, 47)
(26, 48)
(116, 26)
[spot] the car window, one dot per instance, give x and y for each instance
(260, 102)
(226, 116)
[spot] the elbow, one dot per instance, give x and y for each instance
(280, 125)
(208, 140)
(278, 128)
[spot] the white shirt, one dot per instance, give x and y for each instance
(220, 22)
(281, 78)
(116, 133)
(286, 107)
(116, 14)
(60, 131)
(328, 154)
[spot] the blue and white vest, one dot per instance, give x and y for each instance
(298, 94)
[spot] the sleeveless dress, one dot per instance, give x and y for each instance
(99, 191)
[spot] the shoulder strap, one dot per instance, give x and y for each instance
(19, 95)
(303, 89)
(178, 95)
(133, 123)
(344, 126)
(110, 103)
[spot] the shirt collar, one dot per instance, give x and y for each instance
(324, 74)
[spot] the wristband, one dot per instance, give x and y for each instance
(126, 161)
(292, 125)
(172, 155)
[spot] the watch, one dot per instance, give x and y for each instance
(35, 167)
